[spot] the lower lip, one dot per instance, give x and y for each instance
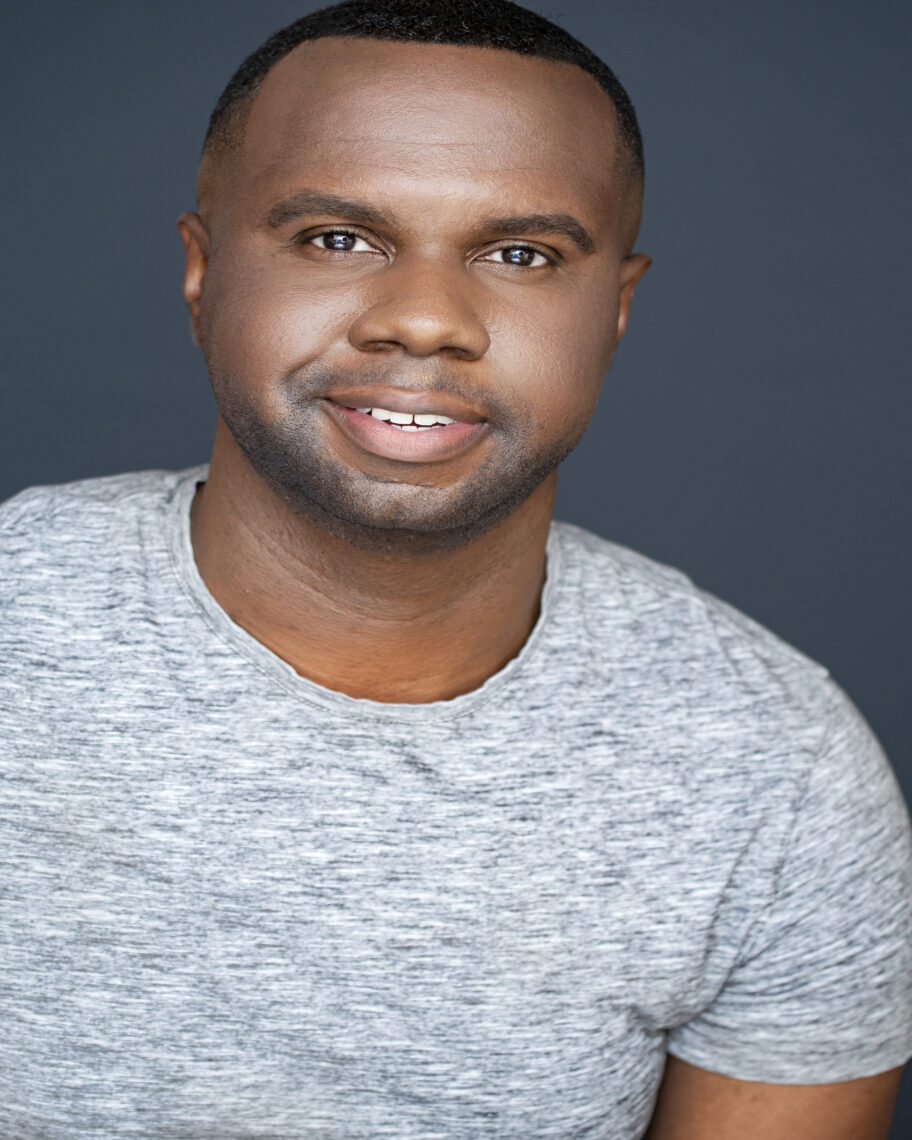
(383, 439)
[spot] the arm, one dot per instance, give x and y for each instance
(816, 996)
(695, 1104)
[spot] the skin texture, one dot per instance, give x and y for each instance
(403, 580)
(696, 1105)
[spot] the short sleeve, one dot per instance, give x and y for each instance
(821, 990)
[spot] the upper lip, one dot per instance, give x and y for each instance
(407, 400)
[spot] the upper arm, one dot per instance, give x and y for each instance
(808, 1036)
(818, 990)
(695, 1104)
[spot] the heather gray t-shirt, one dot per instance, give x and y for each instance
(236, 905)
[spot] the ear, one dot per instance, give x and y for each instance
(195, 237)
(632, 269)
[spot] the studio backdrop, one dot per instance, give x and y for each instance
(754, 427)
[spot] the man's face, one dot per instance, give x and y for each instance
(413, 229)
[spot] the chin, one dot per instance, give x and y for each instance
(401, 526)
(385, 516)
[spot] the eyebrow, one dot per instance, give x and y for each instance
(564, 224)
(317, 202)
(306, 202)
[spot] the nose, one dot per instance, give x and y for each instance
(424, 309)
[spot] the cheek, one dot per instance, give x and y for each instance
(257, 323)
(558, 352)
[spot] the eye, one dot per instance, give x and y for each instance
(522, 256)
(341, 241)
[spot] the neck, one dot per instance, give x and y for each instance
(389, 626)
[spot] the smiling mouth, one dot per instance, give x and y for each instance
(407, 421)
(424, 436)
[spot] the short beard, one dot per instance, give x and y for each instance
(359, 508)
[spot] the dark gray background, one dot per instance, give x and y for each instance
(754, 427)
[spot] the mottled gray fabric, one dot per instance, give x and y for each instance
(237, 905)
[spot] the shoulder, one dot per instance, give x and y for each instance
(39, 510)
(648, 618)
(71, 533)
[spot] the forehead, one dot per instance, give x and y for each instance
(429, 118)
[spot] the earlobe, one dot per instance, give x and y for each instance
(195, 238)
(632, 269)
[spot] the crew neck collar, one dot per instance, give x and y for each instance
(243, 643)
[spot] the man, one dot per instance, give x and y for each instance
(349, 796)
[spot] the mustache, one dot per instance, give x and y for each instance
(320, 381)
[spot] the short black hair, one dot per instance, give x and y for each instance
(471, 23)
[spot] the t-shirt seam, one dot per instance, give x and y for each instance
(790, 833)
(884, 1052)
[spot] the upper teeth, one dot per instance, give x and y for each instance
(401, 418)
